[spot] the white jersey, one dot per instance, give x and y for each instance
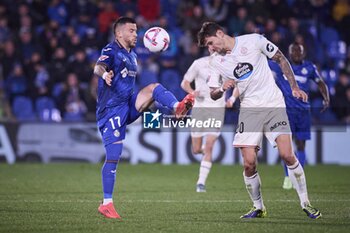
(247, 64)
(200, 72)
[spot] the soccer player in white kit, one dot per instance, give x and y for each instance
(203, 109)
(243, 60)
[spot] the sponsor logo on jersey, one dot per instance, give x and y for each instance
(243, 70)
(125, 72)
(278, 124)
(269, 47)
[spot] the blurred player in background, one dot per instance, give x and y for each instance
(243, 60)
(118, 105)
(299, 111)
(203, 109)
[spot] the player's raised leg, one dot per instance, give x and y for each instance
(253, 183)
(157, 92)
(296, 174)
(109, 171)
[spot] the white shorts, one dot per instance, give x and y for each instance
(254, 123)
(210, 115)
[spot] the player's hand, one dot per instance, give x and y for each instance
(325, 105)
(228, 84)
(108, 76)
(300, 94)
(196, 93)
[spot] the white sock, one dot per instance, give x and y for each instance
(297, 177)
(106, 201)
(253, 185)
(204, 172)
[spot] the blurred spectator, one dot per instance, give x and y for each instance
(340, 99)
(58, 12)
(149, 9)
(72, 103)
(16, 83)
(5, 32)
(106, 16)
(80, 66)
(237, 23)
(57, 68)
(215, 10)
(42, 82)
(8, 57)
(260, 12)
(340, 10)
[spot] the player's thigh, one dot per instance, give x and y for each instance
(113, 125)
(145, 97)
(284, 145)
(249, 130)
(210, 140)
(277, 123)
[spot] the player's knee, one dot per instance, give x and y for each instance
(113, 152)
(289, 159)
(249, 166)
(152, 86)
(196, 150)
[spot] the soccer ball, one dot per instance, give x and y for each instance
(156, 39)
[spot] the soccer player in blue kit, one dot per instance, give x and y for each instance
(297, 110)
(118, 105)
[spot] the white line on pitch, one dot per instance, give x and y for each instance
(165, 201)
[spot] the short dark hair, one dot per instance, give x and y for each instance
(208, 29)
(121, 21)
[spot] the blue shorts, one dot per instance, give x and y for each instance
(113, 124)
(300, 123)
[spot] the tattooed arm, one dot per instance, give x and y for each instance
(100, 70)
(288, 72)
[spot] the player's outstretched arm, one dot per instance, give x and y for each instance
(101, 71)
(288, 72)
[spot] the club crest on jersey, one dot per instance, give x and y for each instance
(304, 71)
(243, 70)
(269, 47)
(244, 50)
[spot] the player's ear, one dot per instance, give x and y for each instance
(220, 33)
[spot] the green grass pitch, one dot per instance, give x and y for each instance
(157, 198)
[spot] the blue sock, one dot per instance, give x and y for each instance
(109, 169)
(164, 97)
(301, 157)
(285, 169)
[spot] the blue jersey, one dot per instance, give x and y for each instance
(303, 72)
(124, 66)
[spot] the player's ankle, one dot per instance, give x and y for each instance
(106, 201)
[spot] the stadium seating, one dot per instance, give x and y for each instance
(46, 109)
(23, 109)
